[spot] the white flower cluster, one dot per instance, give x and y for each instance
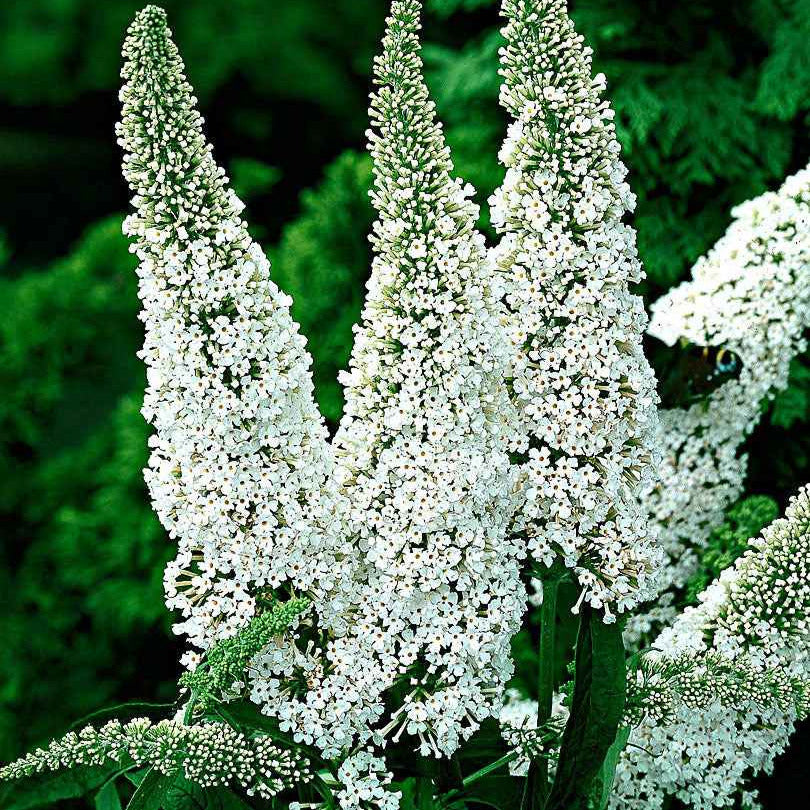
(423, 447)
(701, 757)
(664, 685)
(518, 722)
(240, 471)
(364, 783)
(749, 294)
(752, 628)
(407, 537)
(209, 755)
(585, 391)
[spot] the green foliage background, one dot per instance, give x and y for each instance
(712, 102)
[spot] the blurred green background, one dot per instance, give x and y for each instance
(712, 103)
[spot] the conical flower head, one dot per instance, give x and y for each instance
(748, 297)
(167, 161)
(209, 755)
(423, 446)
(760, 606)
(240, 467)
(584, 389)
(726, 684)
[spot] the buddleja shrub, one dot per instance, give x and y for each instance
(349, 605)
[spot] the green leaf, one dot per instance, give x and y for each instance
(46, 788)
(596, 710)
(136, 777)
(224, 799)
(245, 716)
(499, 789)
(152, 791)
(417, 793)
(608, 772)
(123, 712)
(184, 795)
(107, 798)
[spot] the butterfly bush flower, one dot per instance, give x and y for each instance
(729, 680)
(364, 783)
(240, 465)
(749, 294)
(518, 726)
(210, 755)
(423, 446)
(584, 390)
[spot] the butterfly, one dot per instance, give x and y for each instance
(689, 373)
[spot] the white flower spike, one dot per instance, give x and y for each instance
(750, 294)
(423, 446)
(584, 389)
(739, 678)
(240, 466)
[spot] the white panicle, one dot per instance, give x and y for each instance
(585, 392)
(750, 294)
(423, 446)
(729, 679)
(240, 465)
(209, 755)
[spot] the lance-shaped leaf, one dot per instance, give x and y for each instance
(597, 709)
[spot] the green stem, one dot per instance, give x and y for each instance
(449, 779)
(546, 667)
(188, 714)
(536, 789)
(488, 769)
